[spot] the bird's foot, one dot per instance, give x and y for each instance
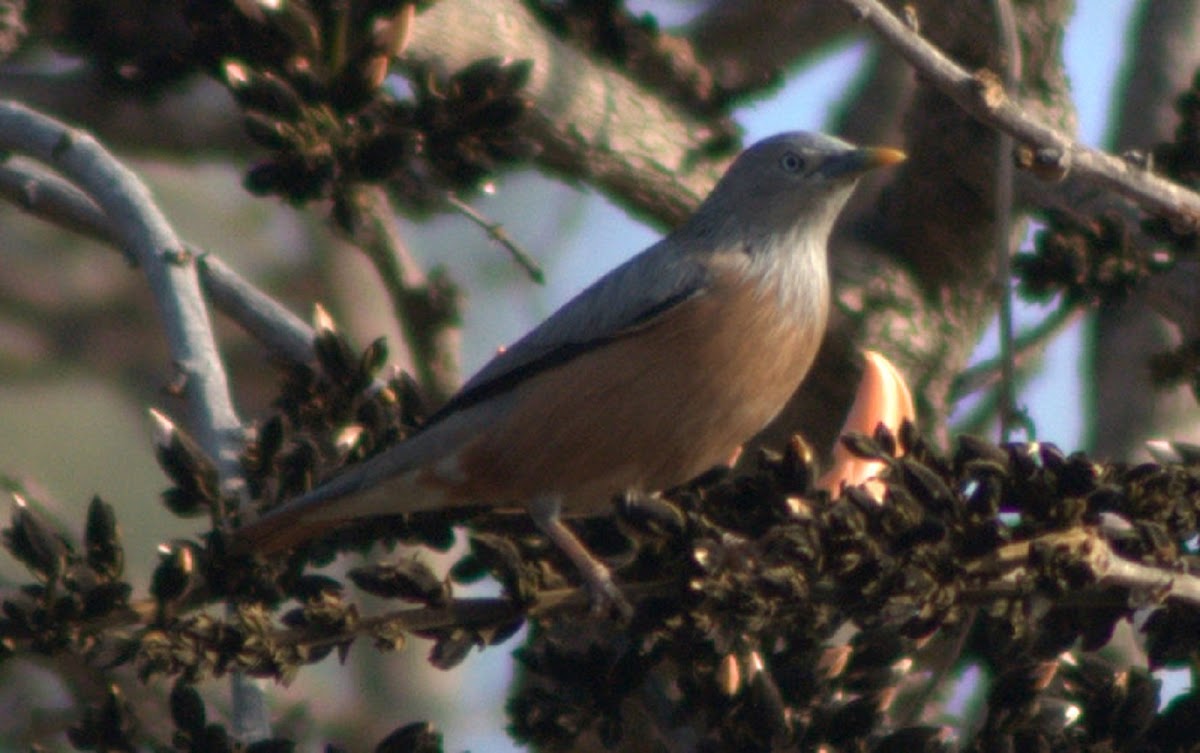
(604, 593)
(606, 597)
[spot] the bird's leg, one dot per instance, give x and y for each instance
(606, 597)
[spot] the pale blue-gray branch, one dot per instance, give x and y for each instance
(53, 199)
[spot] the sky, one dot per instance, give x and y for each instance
(593, 236)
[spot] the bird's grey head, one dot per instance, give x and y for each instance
(790, 182)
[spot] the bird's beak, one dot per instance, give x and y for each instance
(858, 161)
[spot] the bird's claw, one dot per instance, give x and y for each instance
(606, 597)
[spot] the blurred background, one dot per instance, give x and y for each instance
(75, 386)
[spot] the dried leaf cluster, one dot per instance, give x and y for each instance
(742, 580)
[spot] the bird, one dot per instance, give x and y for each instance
(655, 373)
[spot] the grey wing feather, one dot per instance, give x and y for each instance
(634, 293)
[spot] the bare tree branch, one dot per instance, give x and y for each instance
(278, 329)
(1010, 562)
(171, 272)
(497, 233)
(1010, 45)
(428, 315)
(982, 95)
(53, 199)
(591, 121)
(169, 267)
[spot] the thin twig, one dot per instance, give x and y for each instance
(283, 333)
(1106, 567)
(980, 416)
(467, 612)
(429, 326)
(1026, 346)
(171, 271)
(980, 95)
(996, 575)
(1010, 51)
(497, 233)
(49, 197)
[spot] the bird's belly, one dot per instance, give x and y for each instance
(649, 410)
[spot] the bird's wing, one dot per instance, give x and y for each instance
(629, 297)
(634, 295)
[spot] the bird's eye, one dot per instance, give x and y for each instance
(791, 162)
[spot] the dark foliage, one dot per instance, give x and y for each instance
(310, 78)
(741, 582)
(774, 570)
(1180, 160)
(1087, 259)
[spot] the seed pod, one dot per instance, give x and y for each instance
(34, 542)
(102, 539)
(411, 580)
(452, 648)
(418, 737)
(187, 709)
(263, 91)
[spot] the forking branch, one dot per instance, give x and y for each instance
(171, 270)
(50, 198)
(983, 95)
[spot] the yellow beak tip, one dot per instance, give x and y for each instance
(883, 156)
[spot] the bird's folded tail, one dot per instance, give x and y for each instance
(341, 500)
(281, 530)
(409, 477)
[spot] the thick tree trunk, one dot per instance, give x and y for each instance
(1124, 407)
